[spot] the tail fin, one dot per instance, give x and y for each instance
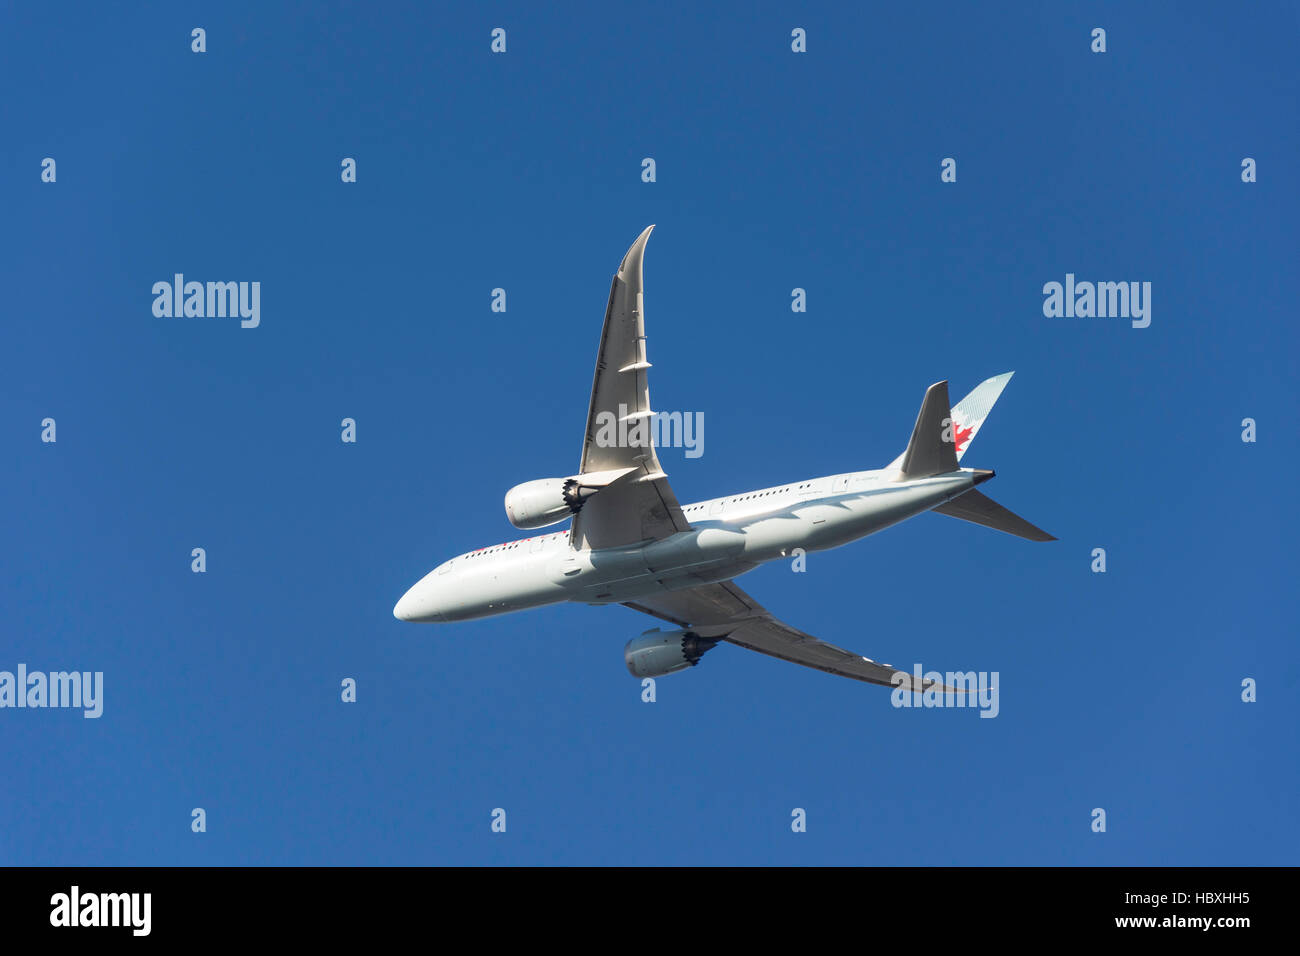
(939, 439)
(931, 450)
(979, 508)
(969, 414)
(965, 419)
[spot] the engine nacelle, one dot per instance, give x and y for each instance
(536, 504)
(659, 653)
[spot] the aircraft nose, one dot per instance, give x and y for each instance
(418, 604)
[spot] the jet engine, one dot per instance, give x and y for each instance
(659, 653)
(536, 504)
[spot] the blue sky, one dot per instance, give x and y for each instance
(775, 170)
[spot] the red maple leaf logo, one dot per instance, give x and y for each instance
(961, 436)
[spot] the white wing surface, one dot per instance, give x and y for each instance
(640, 506)
(725, 612)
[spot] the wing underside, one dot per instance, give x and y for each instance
(640, 506)
(725, 612)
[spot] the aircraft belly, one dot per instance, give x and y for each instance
(699, 556)
(696, 549)
(831, 524)
(499, 589)
(694, 578)
(721, 551)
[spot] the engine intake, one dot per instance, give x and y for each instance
(659, 653)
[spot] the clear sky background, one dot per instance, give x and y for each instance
(775, 170)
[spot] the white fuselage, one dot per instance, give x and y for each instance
(728, 537)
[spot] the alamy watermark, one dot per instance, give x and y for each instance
(82, 689)
(644, 429)
(128, 910)
(953, 689)
(1101, 300)
(211, 300)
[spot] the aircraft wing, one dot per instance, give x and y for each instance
(725, 612)
(640, 506)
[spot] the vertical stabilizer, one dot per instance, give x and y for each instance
(931, 450)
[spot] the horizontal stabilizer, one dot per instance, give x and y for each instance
(931, 451)
(979, 508)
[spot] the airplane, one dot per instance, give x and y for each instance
(630, 541)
